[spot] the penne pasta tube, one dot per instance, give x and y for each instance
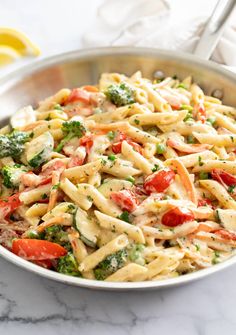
(132, 179)
(58, 98)
(168, 234)
(157, 119)
(224, 121)
(130, 272)
(73, 193)
(37, 210)
(193, 159)
(208, 165)
(102, 203)
(219, 192)
(156, 99)
(226, 140)
(138, 160)
(140, 136)
(119, 226)
(92, 260)
(118, 168)
(39, 193)
(84, 171)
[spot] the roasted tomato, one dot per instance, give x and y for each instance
(223, 177)
(78, 95)
(227, 235)
(177, 216)
(205, 202)
(37, 250)
(125, 199)
(116, 146)
(159, 181)
(8, 205)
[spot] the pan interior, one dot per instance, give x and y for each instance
(31, 84)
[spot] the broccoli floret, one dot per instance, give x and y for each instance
(13, 144)
(136, 254)
(68, 265)
(120, 95)
(70, 129)
(110, 264)
(12, 174)
(57, 235)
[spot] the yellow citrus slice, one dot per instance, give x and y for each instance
(8, 55)
(18, 41)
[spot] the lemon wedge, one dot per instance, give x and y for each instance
(17, 40)
(8, 55)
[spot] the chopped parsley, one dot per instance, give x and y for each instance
(160, 148)
(125, 216)
(203, 175)
(217, 216)
(44, 196)
(189, 117)
(211, 120)
(190, 139)
(197, 247)
(186, 107)
(200, 162)
(111, 135)
(215, 259)
(182, 85)
(58, 107)
(131, 179)
(112, 158)
(89, 198)
(104, 162)
(156, 168)
(56, 186)
(231, 188)
(71, 209)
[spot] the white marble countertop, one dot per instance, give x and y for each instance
(33, 305)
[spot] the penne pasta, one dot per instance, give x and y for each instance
(129, 272)
(73, 193)
(129, 180)
(119, 226)
(99, 255)
(219, 192)
(137, 159)
(102, 203)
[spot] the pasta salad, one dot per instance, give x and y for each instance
(128, 180)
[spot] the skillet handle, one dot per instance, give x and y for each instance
(214, 28)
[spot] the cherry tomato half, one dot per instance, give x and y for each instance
(159, 181)
(125, 199)
(37, 250)
(177, 216)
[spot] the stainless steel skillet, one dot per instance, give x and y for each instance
(35, 82)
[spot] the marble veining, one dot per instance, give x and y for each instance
(31, 304)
